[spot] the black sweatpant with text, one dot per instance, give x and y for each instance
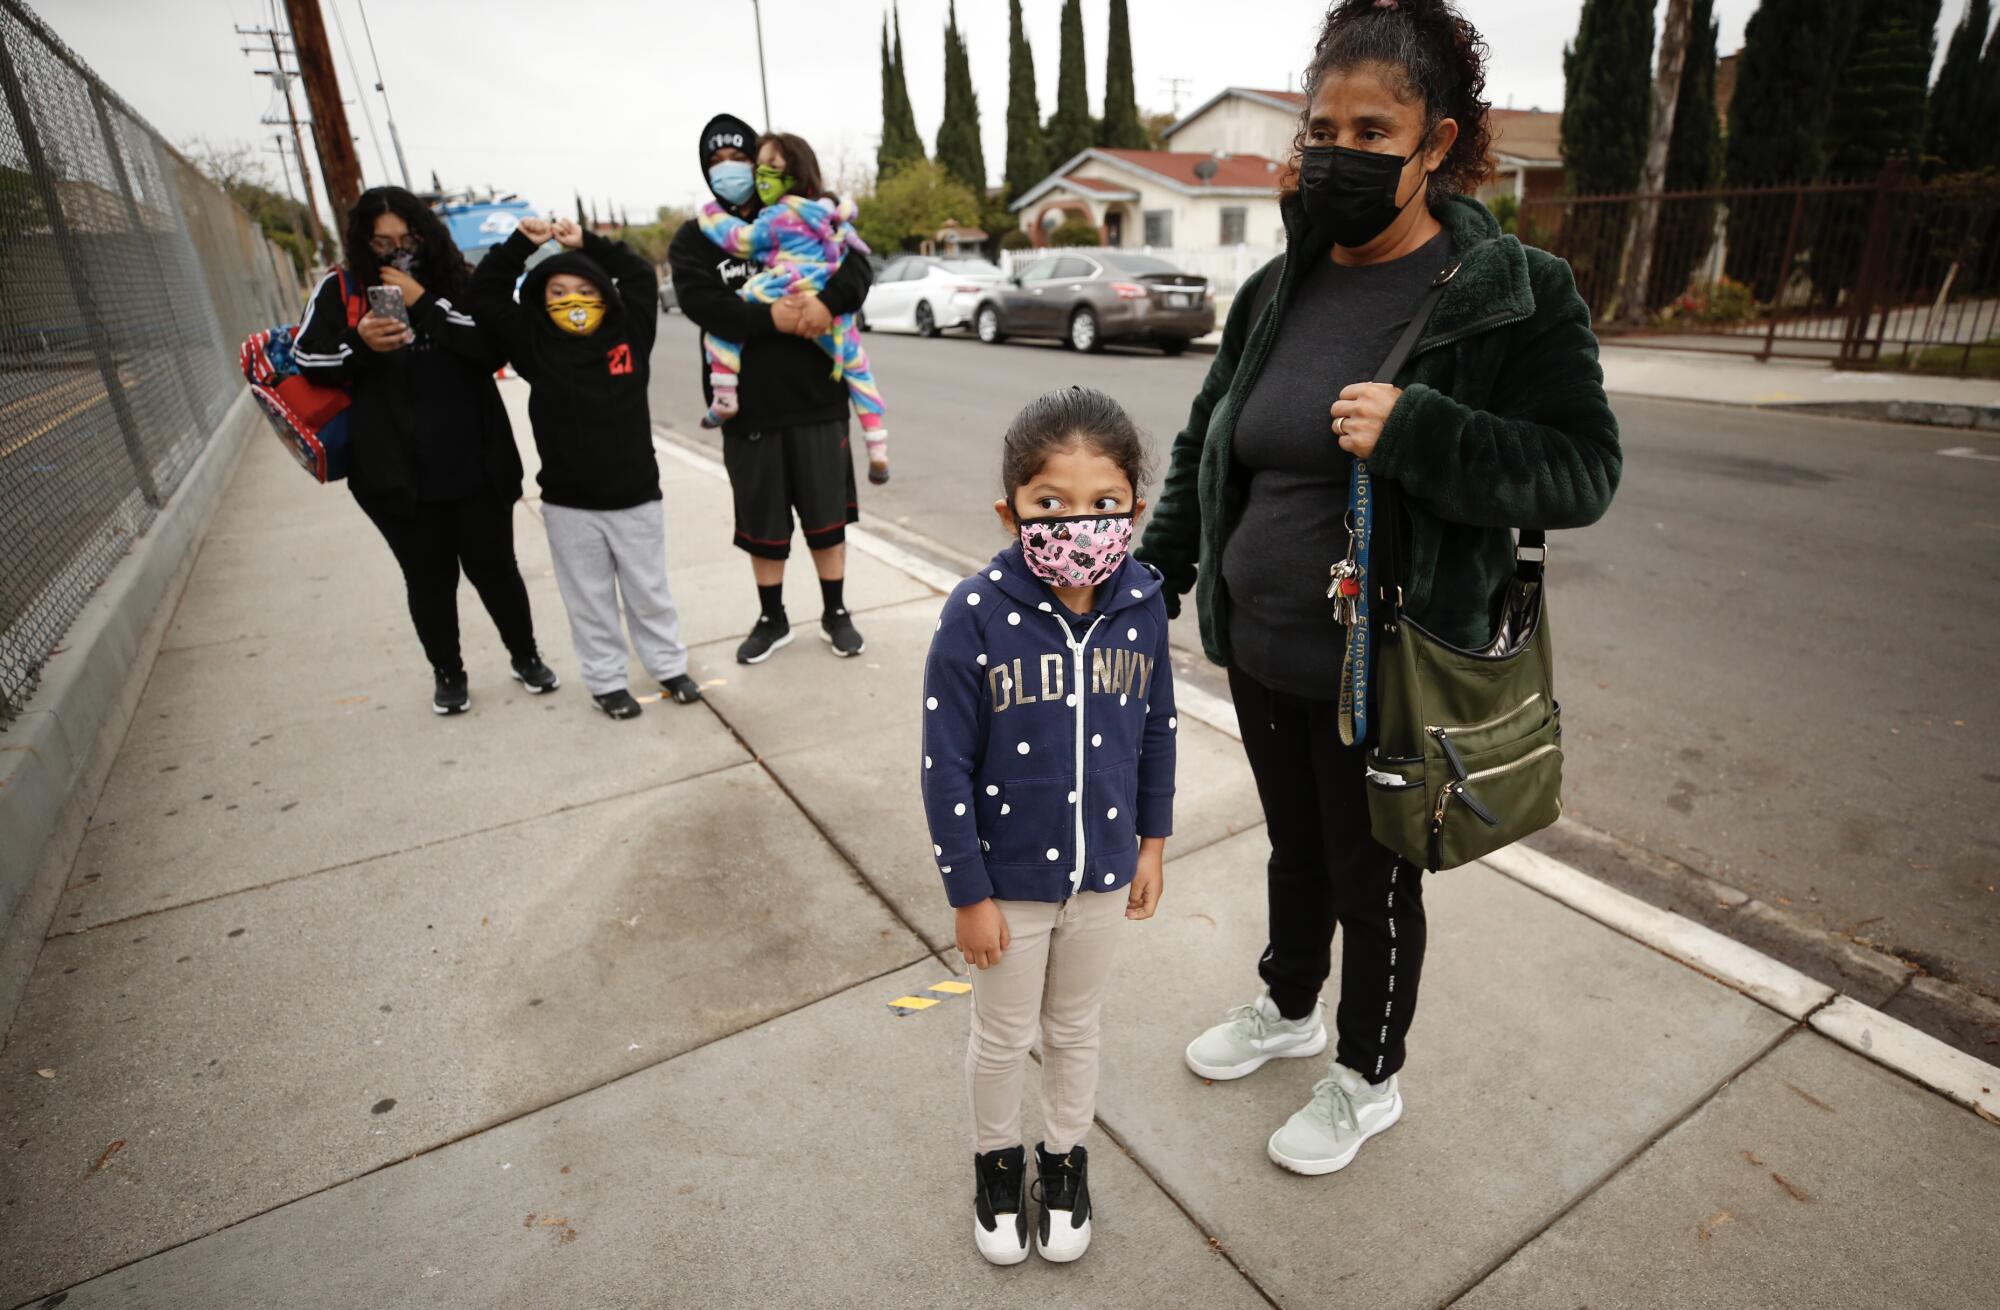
(1326, 870)
(475, 533)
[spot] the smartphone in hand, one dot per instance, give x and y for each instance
(387, 302)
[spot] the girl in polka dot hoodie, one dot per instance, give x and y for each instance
(1048, 782)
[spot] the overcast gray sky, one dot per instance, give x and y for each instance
(606, 97)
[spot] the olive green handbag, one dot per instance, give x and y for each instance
(1466, 754)
(1465, 745)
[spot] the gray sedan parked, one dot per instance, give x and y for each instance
(1085, 298)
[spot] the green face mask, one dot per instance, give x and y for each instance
(771, 183)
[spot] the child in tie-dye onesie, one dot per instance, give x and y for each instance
(800, 243)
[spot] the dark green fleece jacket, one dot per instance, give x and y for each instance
(1502, 424)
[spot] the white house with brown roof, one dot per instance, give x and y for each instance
(1159, 198)
(1526, 155)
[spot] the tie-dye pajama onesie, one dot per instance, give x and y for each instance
(798, 242)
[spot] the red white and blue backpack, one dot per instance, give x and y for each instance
(309, 418)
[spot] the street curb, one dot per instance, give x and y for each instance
(1862, 1029)
(55, 757)
(1927, 413)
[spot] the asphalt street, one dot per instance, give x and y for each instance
(1775, 651)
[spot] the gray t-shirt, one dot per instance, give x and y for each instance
(1339, 326)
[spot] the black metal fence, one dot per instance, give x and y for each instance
(126, 281)
(1894, 272)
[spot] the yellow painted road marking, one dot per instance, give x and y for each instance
(914, 1002)
(952, 988)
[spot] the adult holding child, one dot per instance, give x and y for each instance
(786, 445)
(432, 460)
(1495, 420)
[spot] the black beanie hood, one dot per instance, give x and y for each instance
(534, 288)
(725, 130)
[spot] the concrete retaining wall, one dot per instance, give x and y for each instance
(54, 758)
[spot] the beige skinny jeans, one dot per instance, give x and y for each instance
(1052, 976)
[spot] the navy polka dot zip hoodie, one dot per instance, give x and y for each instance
(1048, 736)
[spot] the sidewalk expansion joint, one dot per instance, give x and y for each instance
(1653, 1139)
(1215, 1243)
(833, 843)
(343, 865)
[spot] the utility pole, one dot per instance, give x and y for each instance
(281, 78)
(285, 171)
(1176, 88)
(336, 145)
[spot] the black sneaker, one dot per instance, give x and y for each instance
(684, 690)
(769, 635)
(1000, 1205)
(536, 676)
(452, 696)
(1062, 1185)
(837, 630)
(618, 704)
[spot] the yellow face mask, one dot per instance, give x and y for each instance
(577, 313)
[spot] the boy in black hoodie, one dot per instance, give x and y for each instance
(581, 335)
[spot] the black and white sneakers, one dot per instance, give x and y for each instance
(618, 704)
(537, 677)
(836, 628)
(769, 635)
(1062, 1185)
(682, 689)
(453, 694)
(1000, 1205)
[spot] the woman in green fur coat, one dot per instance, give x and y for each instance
(1497, 421)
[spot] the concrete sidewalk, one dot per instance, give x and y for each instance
(348, 1005)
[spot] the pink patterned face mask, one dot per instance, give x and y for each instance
(1082, 551)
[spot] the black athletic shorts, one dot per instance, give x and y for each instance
(807, 470)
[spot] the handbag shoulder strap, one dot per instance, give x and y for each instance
(1532, 551)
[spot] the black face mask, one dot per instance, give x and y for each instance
(1353, 192)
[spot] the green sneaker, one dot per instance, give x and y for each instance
(1345, 1111)
(1253, 1034)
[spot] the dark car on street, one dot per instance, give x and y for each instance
(1086, 298)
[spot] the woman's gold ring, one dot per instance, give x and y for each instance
(1340, 426)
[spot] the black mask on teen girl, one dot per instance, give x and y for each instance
(1352, 192)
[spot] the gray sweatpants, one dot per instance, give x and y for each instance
(601, 555)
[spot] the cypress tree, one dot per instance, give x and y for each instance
(1957, 136)
(1792, 52)
(1986, 103)
(1694, 163)
(1878, 100)
(1069, 130)
(900, 143)
(958, 147)
(1607, 96)
(1027, 152)
(1120, 127)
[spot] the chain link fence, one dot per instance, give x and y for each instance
(127, 279)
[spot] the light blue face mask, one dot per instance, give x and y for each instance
(733, 180)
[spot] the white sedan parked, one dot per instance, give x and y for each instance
(927, 294)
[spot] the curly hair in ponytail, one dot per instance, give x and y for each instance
(1434, 57)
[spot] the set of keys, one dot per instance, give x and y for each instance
(1344, 590)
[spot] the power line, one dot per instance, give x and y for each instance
(354, 68)
(395, 137)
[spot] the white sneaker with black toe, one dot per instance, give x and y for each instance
(1000, 1205)
(1345, 1111)
(1253, 1035)
(1062, 1185)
